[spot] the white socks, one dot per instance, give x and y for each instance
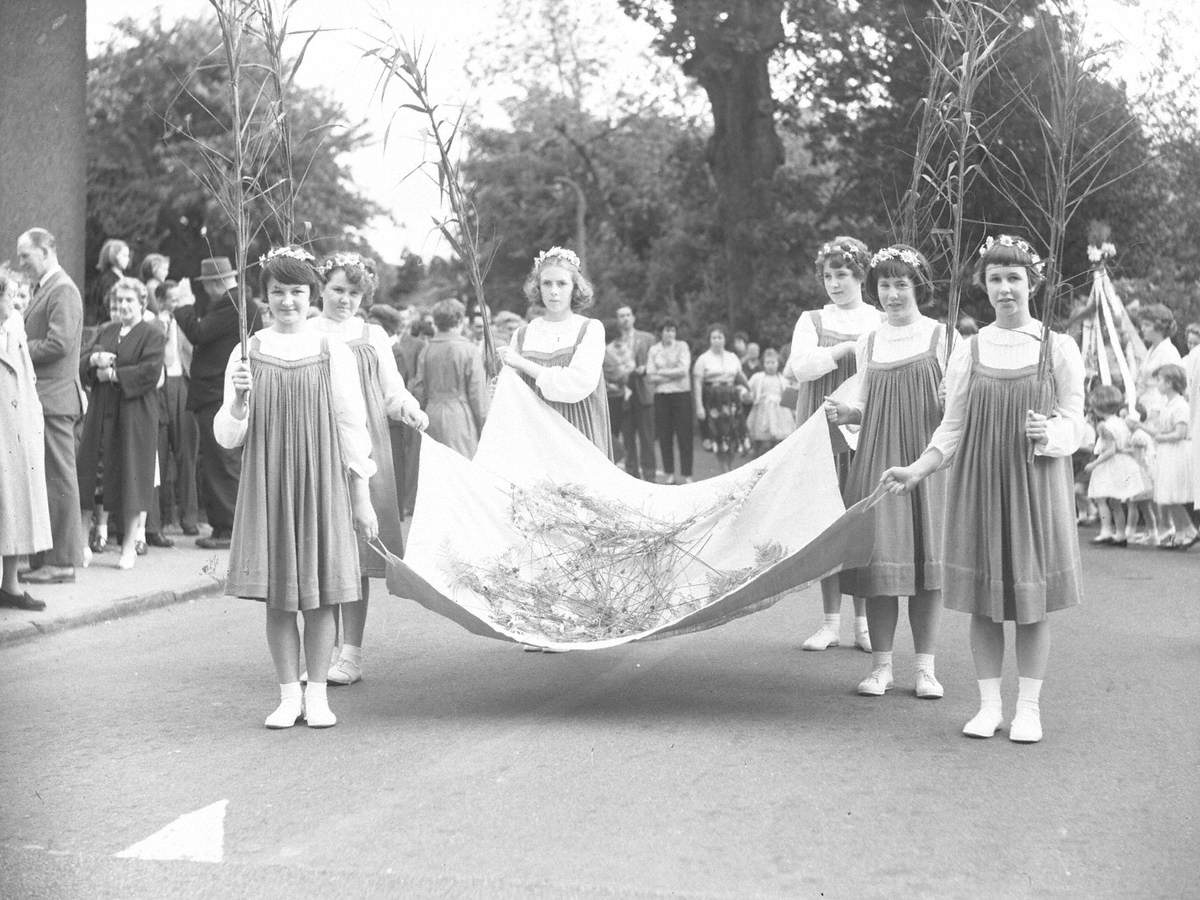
(833, 621)
(881, 659)
(290, 707)
(1026, 725)
(990, 714)
(352, 654)
(925, 662)
(316, 706)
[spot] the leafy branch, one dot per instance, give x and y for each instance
(407, 64)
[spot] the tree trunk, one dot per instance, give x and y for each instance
(733, 48)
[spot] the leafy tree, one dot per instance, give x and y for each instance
(147, 86)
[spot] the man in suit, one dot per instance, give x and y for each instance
(637, 429)
(210, 323)
(54, 326)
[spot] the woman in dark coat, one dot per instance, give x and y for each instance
(120, 432)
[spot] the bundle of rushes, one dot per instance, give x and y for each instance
(591, 568)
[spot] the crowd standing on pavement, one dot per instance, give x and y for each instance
(136, 411)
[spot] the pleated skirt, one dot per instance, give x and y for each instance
(901, 414)
(293, 542)
(382, 484)
(1011, 543)
(812, 394)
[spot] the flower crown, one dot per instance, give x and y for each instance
(1007, 240)
(343, 260)
(843, 247)
(907, 257)
(290, 252)
(557, 253)
(1101, 253)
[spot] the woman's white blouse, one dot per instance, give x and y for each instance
(1016, 348)
(349, 409)
(807, 361)
(397, 398)
(894, 343)
(578, 379)
(711, 368)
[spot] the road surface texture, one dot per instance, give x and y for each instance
(726, 764)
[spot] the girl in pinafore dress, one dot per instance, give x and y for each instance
(349, 281)
(1011, 548)
(1116, 476)
(899, 406)
(822, 357)
(561, 353)
(297, 410)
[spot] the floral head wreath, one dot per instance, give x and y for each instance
(1105, 251)
(290, 252)
(562, 253)
(343, 260)
(905, 256)
(1007, 240)
(843, 247)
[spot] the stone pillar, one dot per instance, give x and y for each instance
(43, 125)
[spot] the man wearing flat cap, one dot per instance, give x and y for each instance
(211, 324)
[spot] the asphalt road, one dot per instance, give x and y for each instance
(727, 763)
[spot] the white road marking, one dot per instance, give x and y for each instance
(197, 836)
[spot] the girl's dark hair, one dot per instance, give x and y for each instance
(283, 269)
(1106, 399)
(1174, 376)
(890, 265)
(667, 323)
(1010, 251)
(844, 253)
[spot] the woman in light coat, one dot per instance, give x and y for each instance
(24, 510)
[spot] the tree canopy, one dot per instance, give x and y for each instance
(154, 89)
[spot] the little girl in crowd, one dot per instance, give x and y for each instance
(1173, 464)
(1011, 542)
(822, 357)
(297, 407)
(350, 280)
(1141, 507)
(768, 422)
(1116, 477)
(898, 406)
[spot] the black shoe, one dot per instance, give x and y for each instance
(213, 543)
(189, 530)
(21, 601)
(158, 539)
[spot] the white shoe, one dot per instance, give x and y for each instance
(984, 724)
(316, 707)
(127, 560)
(286, 714)
(1026, 727)
(824, 638)
(928, 687)
(877, 683)
(344, 671)
(862, 640)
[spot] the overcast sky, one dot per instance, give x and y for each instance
(453, 26)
